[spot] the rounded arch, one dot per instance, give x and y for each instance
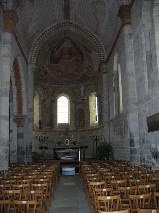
(63, 91)
(65, 27)
(40, 92)
(89, 91)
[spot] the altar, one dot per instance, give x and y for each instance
(66, 153)
(71, 152)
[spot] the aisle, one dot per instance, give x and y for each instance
(69, 196)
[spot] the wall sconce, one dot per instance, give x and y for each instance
(42, 139)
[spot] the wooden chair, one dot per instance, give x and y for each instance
(124, 192)
(156, 180)
(109, 203)
(38, 196)
(6, 186)
(139, 201)
(143, 189)
(23, 187)
(146, 176)
(46, 193)
(91, 193)
(120, 211)
(11, 194)
(115, 184)
(24, 206)
(4, 206)
(100, 192)
(156, 199)
(103, 191)
(148, 210)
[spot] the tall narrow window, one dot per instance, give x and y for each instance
(96, 109)
(93, 108)
(36, 111)
(62, 109)
(114, 97)
(120, 91)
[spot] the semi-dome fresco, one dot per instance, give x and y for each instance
(64, 61)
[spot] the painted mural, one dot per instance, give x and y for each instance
(65, 62)
(66, 51)
(79, 115)
(48, 114)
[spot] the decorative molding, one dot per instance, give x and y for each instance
(19, 120)
(65, 26)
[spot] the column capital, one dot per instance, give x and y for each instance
(19, 120)
(103, 67)
(10, 20)
(125, 14)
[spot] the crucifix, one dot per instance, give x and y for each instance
(95, 139)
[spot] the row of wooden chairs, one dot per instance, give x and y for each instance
(139, 210)
(26, 184)
(18, 206)
(132, 185)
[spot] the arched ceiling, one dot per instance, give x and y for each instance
(35, 16)
(98, 17)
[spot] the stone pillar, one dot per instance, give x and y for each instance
(86, 113)
(29, 126)
(21, 143)
(72, 114)
(99, 99)
(156, 38)
(55, 114)
(5, 71)
(132, 110)
(7, 23)
(105, 102)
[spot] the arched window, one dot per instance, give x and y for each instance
(117, 87)
(36, 111)
(120, 90)
(93, 108)
(62, 109)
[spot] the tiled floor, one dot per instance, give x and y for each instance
(70, 196)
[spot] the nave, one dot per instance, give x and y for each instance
(99, 187)
(70, 196)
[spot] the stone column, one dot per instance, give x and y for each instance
(55, 114)
(86, 113)
(21, 143)
(105, 102)
(5, 70)
(29, 126)
(156, 38)
(72, 114)
(132, 110)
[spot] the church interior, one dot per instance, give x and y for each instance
(79, 91)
